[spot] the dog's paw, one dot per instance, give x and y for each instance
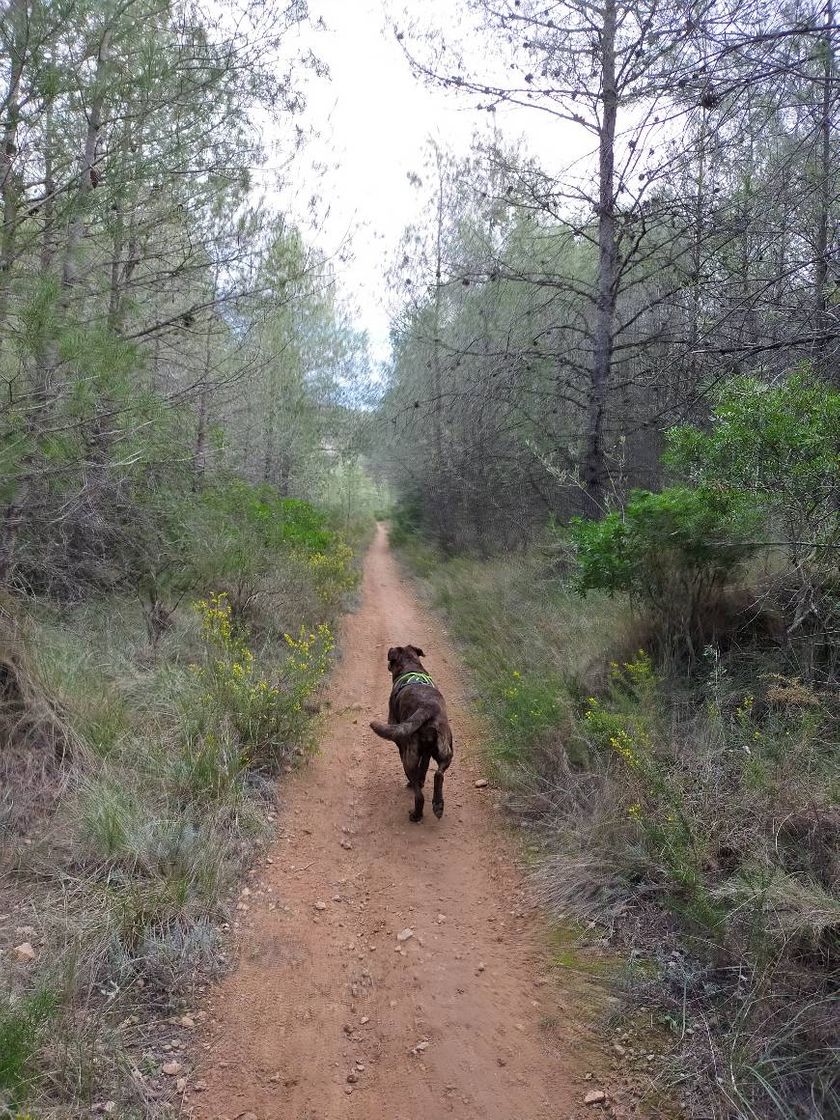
(437, 809)
(415, 818)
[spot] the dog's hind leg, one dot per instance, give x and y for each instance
(412, 764)
(423, 769)
(444, 757)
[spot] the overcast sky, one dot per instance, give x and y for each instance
(373, 119)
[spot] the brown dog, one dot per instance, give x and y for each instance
(417, 724)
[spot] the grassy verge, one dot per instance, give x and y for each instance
(138, 784)
(693, 822)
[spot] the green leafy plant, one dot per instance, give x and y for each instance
(673, 552)
(778, 446)
(209, 768)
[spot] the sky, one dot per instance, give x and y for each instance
(371, 121)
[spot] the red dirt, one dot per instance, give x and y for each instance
(466, 1017)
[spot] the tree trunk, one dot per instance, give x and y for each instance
(825, 195)
(48, 361)
(9, 198)
(442, 518)
(284, 475)
(9, 179)
(699, 235)
(47, 243)
(88, 175)
(593, 466)
(200, 456)
(268, 449)
(125, 251)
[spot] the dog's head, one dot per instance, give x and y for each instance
(402, 659)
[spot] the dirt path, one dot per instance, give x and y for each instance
(461, 1018)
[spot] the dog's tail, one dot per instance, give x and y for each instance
(398, 732)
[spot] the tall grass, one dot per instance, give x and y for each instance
(167, 796)
(23, 1021)
(693, 822)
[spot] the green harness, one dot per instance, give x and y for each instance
(412, 678)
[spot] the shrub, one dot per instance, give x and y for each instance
(270, 718)
(256, 523)
(332, 572)
(673, 552)
(109, 813)
(171, 957)
(240, 537)
(779, 446)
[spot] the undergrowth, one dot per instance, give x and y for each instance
(144, 787)
(692, 819)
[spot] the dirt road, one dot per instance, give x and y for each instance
(330, 1014)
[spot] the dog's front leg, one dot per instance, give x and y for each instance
(416, 814)
(437, 800)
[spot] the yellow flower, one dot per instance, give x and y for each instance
(622, 744)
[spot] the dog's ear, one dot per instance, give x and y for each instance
(393, 654)
(417, 650)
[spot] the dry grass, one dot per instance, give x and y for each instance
(42, 753)
(129, 810)
(693, 822)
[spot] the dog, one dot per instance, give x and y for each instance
(418, 724)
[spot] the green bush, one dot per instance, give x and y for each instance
(779, 447)
(778, 444)
(244, 539)
(673, 552)
(258, 512)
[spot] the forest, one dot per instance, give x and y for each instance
(606, 442)
(181, 496)
(614, 422)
